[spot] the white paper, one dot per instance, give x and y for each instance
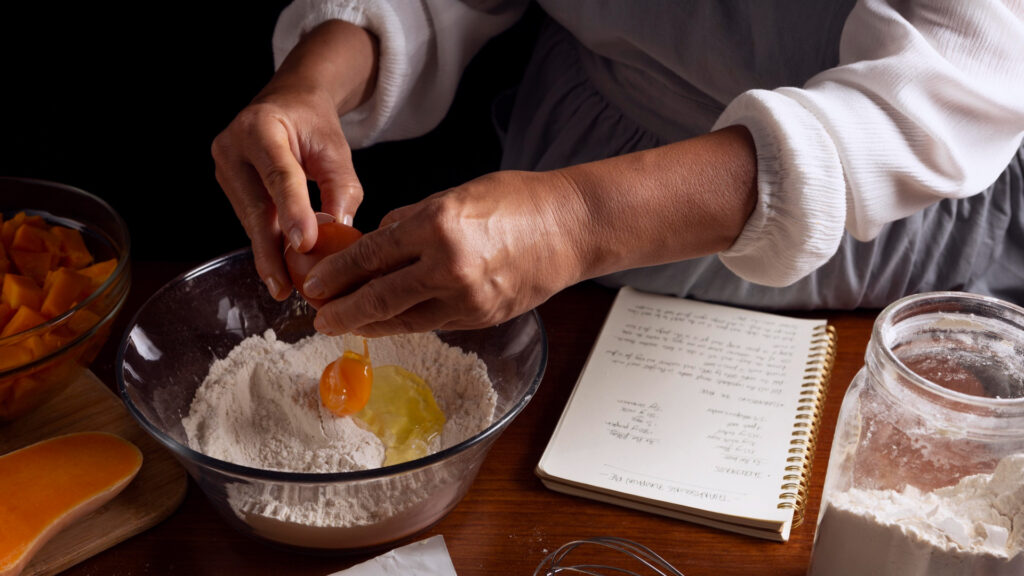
(688, 403)
(424, 558)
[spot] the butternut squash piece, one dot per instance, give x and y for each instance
(9, 227)
(82, 321)
(24, 318)
(13, 356)
(36, 239)
(73, 252)
(100, 271)
(20, 291)
(64, 288)
(5, 314)
(37, 346)
(35, 265)
(5, 263)
(50, 484)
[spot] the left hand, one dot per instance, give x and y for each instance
(468, 257)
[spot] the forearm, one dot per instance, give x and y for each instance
(671, 203)
(337, 58)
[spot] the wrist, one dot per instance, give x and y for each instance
(680, 201)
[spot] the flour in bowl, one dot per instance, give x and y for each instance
(260, 406)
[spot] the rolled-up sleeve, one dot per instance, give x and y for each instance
(424, 47)
(926, 103)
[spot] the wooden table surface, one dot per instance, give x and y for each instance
(508, 522)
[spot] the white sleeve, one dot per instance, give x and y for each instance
(927, 103)
(424, 47)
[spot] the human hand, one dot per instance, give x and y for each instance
(263, 160)
(290, 134)
(468, 257)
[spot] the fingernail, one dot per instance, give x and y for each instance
(313, 287)
(295, 237)
(272, 285)
(346, 219)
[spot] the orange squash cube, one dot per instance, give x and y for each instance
(100, 271)
(63, 289)
(21, 291)
(13, 355)
(82, 321)
(24, 319)
(10, 226)
(35, 265)
(36, 239)
(73, 252)
(5, 314)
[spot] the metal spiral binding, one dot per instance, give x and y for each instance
(555, 562)
(817, 376)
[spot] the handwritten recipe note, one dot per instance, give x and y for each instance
(686, 408)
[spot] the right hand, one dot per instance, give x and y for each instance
(291, 134)
(263, 160)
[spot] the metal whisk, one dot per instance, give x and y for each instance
(556, 563)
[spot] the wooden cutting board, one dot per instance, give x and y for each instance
(155, 492)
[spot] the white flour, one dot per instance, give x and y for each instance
(260, 407)
(975, 528)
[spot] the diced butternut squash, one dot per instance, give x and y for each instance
(5, 263)
(13, 356)
(82, 320)
(45, 271)
(64, 288)
(5, 314)
(24, 318)
(37, 346)
(51, 484)
(35, 265)
(11, 226)
(20, 291)
(36, 239)
(100, 271)
(73, 252)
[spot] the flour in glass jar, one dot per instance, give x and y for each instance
(973, 528)
(259, 407)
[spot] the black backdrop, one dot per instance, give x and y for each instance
(125, 103)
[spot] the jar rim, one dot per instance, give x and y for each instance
(905, 307)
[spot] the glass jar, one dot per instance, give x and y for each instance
(926, 472)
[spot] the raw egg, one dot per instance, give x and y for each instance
(332, 236)
(390, 401)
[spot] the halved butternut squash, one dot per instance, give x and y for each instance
(48, 485)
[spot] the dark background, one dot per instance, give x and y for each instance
(124, 103)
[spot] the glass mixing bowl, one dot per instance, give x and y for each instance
(37, 363)
(167, 351)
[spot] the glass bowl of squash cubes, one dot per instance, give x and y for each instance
(64, 276)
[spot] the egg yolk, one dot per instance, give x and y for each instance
(401, 410)
(346, 383)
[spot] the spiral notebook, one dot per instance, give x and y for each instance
(697, 411)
